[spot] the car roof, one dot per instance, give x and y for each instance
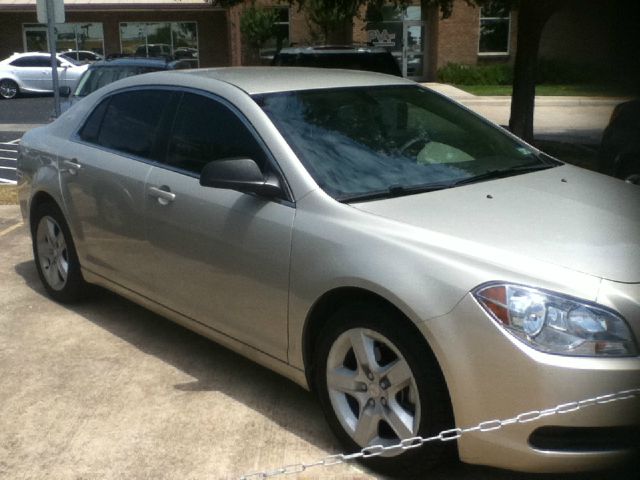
(16, 55)
(331, 50)
(257, 80)
(133, 61)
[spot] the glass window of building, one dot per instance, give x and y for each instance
(73, 37)
(160, 39)
(495, 26)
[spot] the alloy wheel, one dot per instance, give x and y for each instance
(8, 89)
(372, 389)
(52, 252)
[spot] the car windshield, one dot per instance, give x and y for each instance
(375, 142)
(94, 78)
(70, 60)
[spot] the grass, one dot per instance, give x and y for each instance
(8, 195)
(553, 90)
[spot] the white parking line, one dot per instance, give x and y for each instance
(5, 150)
(7, 158)
(8, 168)
(4, 181)
(10, 229)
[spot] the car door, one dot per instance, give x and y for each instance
(222, 257)
(102, 176)
(29, 70)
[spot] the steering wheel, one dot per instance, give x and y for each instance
(422, 137)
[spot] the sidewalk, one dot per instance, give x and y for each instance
(578, 120)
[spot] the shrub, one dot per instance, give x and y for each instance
(457, 74)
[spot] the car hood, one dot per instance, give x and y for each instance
(565, 216)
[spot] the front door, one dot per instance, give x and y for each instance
(413, 48)
(221, 256)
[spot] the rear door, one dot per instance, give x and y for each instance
(103, 179)
(221, 256)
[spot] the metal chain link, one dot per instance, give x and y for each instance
(448, 435)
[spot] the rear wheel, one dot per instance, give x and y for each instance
(8, 89)
(379, 385)
(55, 255)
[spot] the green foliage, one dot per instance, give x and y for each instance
(457, 74)
(257, 24)
(549, 72)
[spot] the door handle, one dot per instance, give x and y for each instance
(164, 194)
(72, 166)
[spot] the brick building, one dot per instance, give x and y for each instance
(421, 41)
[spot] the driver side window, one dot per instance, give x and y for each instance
(205, 130)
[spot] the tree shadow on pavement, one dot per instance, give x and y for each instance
(216, 368)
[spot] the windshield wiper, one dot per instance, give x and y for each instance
(501, 173)
(394, 191)
(400, 190)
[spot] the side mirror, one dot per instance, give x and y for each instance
(241, 174)
(64, 91)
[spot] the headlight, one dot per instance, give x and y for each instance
(555, 323)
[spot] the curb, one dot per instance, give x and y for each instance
(18, 127)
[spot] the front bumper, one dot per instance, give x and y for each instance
(492, 375)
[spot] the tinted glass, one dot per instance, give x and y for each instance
(131, 121)
(360, 141)
(38, 61)
(206, 130)
(91, 128)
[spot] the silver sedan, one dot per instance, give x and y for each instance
(415, 265)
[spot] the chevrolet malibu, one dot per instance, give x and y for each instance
(416, 266)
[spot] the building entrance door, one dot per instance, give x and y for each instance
(413, 49)
(35, 39)
(402, 32)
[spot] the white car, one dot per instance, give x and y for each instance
(31, 72)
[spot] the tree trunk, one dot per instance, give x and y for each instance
(341, 34)
(532, 17)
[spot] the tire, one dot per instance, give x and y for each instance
(368, 360)
(55, 255)
(8, 89)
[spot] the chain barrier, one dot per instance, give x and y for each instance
(447, 435)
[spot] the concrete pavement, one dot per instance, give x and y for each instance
(108, 390)
(579, 120)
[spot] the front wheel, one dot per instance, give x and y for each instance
(378, 385)
(55, 255)
(8, 89)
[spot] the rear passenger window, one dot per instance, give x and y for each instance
(91, 128)
(129, 122)
(206, 130)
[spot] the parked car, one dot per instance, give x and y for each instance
(416, 266)
(154, 50)
(31, 72)
(619, 153)
(372, 59)
(82, 56)
(104, 72)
